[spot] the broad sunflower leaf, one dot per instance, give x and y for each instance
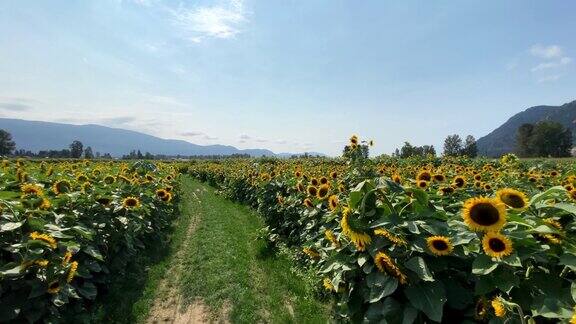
(428, 297)
(418, 265)
(483, 265)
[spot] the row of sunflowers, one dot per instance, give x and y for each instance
(419, 240)
(68, 227)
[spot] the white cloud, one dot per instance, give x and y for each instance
(547, 52)
(244, 137)
(551, 65)
(218, 21)
(550, 78)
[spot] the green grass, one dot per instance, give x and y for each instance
(129, 299)
(224, 265)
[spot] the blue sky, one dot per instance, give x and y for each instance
(289, 76)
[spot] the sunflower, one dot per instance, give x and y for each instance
(323, 180)
(314, 182)
(360, 239)
(572, 194)
(484, 214)
(424, 175)
(446, 190)
(391, 237)
(104, 201)
(438, 177)
(312, 191)
(131, 202)
(498, 307)
(354, 140)
(300, 187)
(573, 318)
(459, 182)
(512, 198)
(385, 264)
(333, 202)
(161, 193)
(311, 253)
(167, 197)
(42, 263)
(67, 257)
(45, 238)
(54, 287)
(323, 191)
(333, 174)
(332, 238)
(61, 187)
(72, 271)
(109, 179)
(308, 203)
(328, 284)
(81, 178)
(496, 245)
(480, 309)
(46, 204)
(422, 184)
(439, 245)
(396, 178)
(29, 189)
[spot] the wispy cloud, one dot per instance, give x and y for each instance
(191, 134)
(550, 78)
(14, 106)
(546, 52)
(219, 21)
(552, 59)
(118, 120)
(209, 138)
(551, 65)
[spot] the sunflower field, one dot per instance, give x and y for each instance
(68, 227)
(420, 240)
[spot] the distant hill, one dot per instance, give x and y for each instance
(503, 139)
(37, 135)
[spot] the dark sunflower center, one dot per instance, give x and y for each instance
(459, 182)
(424, 176)
(161, 193)
(323, 192)
(513, 200)
(131, 202)
(440, 245)
(484, 214)
(422, 184)
(496, 245)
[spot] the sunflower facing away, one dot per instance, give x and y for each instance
(385, 264)
(484, 214)
(439, 245)
(360, 239)
(496, 245)
(45, 238)
(61, 187)
(498, 307)
(328, 284)
(391, 237)
(131, 202)
(512, 198)
(308, 203)
(332, 238)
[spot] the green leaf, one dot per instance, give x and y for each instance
(10, 226)
(410, 314)
(547, 194)
(483, 265)
(429, 297)
(565, 207)
(418, 265)
(381, 286)
(90, 250)
(88, 290)
(354, 199)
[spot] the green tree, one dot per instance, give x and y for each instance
(88, 153)
(76, 149)
(453, 145)
(523, 136)
(551, 139)
(7, 145)
(470, 149)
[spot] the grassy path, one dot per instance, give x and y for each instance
(218, 271)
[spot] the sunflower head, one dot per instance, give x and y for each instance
(328, 284)
(109, 179)
(323, 191)
(161, 193)
(385, 264)
(333, 202)
(422, 184)
(54, 287)
(498, 307)
(396, 178)
(167, 197)
(496, 245)
(314, 182)
(312, 191)
(323, 180)
(333, 174)
(459, 182)
(424, 175)
(308, 203)
(61, 187)
(438, 177)
(484, 214)
(512, 198)
(29, 189)
(572, 194)
(439, 245)
(131, 203)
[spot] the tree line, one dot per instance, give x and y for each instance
(543, 139)
(453, 146)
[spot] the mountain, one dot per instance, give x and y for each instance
(503, 139)
(38, 135)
